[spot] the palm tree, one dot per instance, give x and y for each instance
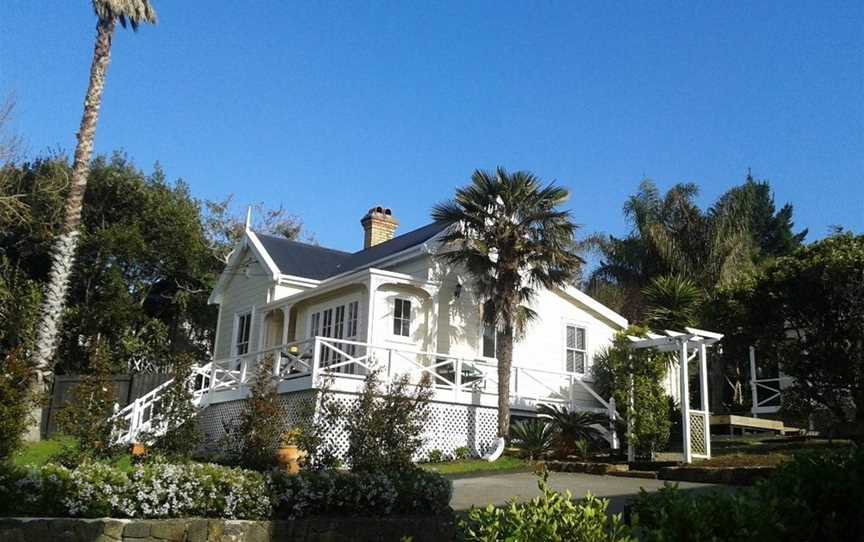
(108, 14)
(511, 237)
(572, 426)
(672, 302)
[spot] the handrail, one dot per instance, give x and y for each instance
(304, 358)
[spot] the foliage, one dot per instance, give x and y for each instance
(411, 491)
(807, 310)
(571, 426)
(176, 414)
(385, 429)
(260, 427)
(612, 370)
(461, 453)
(814, 497)
(88, 416)
(551, 517)
(321, 421)
(147, 491)
(16, 377)
(671, 235)
(475, 466)
(672, 302)
(512, 238)
(148, 258)
(534, 437)
(435, 456)
(582, 449)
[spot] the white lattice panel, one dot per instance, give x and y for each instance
(450, 426)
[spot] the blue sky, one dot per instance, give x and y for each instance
(330, 108)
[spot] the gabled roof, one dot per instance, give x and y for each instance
(319, 263)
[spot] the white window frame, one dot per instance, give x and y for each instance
(401, 318)
(586, 365)
(236, 344)
(482, 353)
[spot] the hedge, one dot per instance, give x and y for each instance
(206, 490)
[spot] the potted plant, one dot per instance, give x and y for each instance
(288, 453)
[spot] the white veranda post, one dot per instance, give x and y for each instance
(687, 346)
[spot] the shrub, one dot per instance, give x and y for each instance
(813, 497)
(572, 426)
(435, 456)
(413, 491)
(89, 415)
(385, 430)
(550, 517)
(177, 414)
(320, 426)
(255, 438)
(612, 370)
(16, 379)
(534, 438)
(165, 490)
(461, 453)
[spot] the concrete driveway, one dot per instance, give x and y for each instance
(498, 488)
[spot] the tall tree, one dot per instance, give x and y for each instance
(512, 238)
(108, 14)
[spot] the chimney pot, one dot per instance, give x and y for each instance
(379, 225)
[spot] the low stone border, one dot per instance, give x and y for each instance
(331, 529)
(586, 467)
(736, 476)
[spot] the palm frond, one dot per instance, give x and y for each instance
(133, 11)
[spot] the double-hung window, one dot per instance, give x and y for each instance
(402, 318)
(490, 336)
(244, 329)
(575, 351)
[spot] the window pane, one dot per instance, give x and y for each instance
(571, 337)
(397, 326)
(580, 338)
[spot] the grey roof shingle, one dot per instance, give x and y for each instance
(315, 262)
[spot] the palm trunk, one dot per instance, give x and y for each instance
(505, 364)
(63, 256)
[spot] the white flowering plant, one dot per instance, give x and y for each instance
(166, 490)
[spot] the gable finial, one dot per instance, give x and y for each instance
(248, 218)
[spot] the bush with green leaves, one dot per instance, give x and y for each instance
(534, 438)
(89, 415)
(435, 456)
(413, 491)
(815, 497)
(254, 438)
(572, 426)
(612, 370)
(385, 426)
(16, 402)
(461, 453)
(552, 517)
(176, 415)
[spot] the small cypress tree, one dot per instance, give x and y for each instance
(177, 414)
(88, 416)
(261, 424)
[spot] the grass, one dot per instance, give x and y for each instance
(480, 466)
(764, 451)
(37, 454)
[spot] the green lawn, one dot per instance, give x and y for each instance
(36, 454)
(480, 466)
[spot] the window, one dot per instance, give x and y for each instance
(490, 337)
(576, 354)
(244, 328)
(315, 324)
(351, 327)
(402, 318)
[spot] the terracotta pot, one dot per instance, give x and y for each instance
(137, 449)
(287, 457)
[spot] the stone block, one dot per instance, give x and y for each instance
(173, 530)
(138, 528)
(196, 531)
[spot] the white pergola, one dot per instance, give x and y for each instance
(696, 423)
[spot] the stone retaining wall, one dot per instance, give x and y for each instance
(420, 529)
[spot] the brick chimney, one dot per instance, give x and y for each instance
(378, 226)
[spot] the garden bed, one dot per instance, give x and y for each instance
(736, 476)
(475, 467)
(586, 467)
(418, 528)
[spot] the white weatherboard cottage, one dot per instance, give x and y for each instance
(393, 306)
